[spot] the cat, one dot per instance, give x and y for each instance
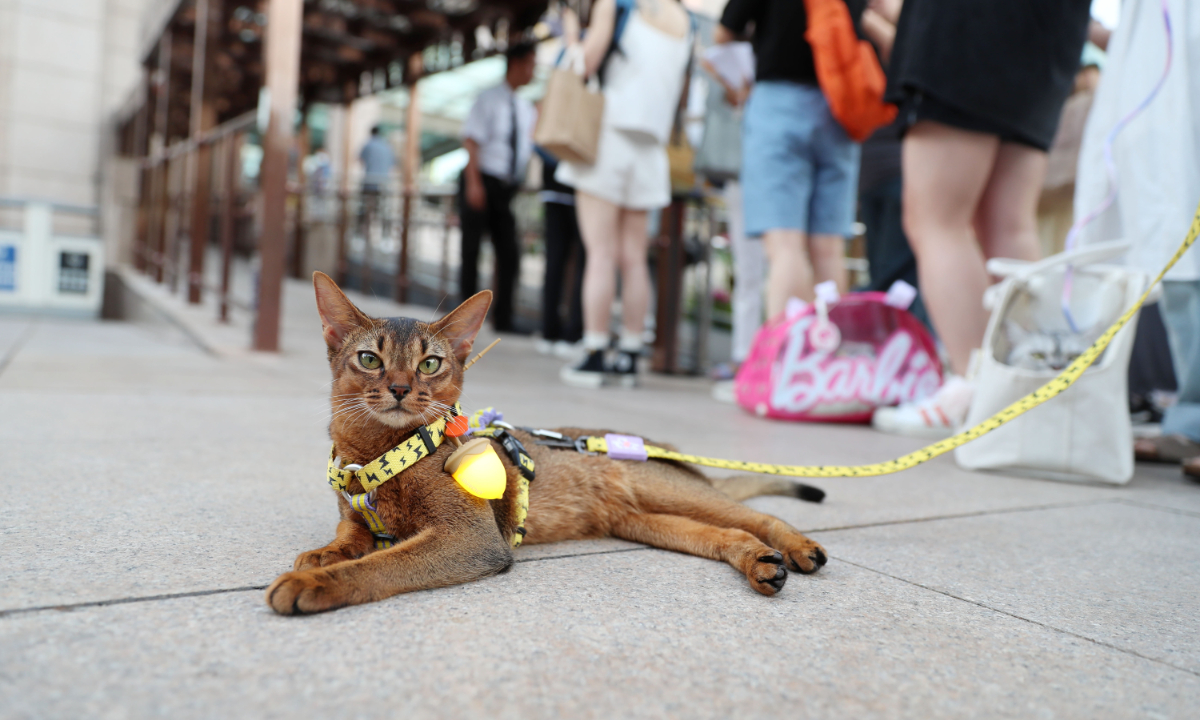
(1045, 349)
(392, 376)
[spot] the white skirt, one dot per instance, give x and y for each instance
(631, 171)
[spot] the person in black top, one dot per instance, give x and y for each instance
(799, 168)
(980, 87)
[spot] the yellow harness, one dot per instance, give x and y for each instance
(424, 443)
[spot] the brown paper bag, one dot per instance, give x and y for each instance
(569, 120)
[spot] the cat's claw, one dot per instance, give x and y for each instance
(302, 592)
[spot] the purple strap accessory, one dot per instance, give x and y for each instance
(626, 447)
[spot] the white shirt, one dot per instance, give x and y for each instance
(1157, 155)
(643, 82)
(490, 125)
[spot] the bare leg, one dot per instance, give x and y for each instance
(945, 172)
(788, 271)
(599, 227)
(1006, 220)
(635, 272)
(762, 566)
(828, 253)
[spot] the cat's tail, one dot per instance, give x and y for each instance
(744, 487)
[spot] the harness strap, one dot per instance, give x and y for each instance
(385, 467)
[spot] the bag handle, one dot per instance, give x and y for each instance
(1086, 255)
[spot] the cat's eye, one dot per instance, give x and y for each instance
(1038, 355)
(370, 361)
(430, 365)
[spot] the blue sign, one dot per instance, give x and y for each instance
(8, 268)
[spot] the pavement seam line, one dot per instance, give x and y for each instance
(16, 347)
(1031, 621)
(975, 513)
(1163, 508)
(246, 588)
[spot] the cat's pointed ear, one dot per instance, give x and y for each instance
(462, 325)
(338, 315)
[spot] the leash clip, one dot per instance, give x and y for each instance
(581, 446)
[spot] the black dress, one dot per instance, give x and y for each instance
(1002, 67)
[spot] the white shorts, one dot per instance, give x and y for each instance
(631, 171)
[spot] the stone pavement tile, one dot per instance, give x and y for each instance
(164, 494)
(1119, 574)
(1163, 486)
(13, 329)
(634, 635)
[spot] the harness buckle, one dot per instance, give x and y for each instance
(581, 446)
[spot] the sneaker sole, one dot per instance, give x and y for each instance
(926, 432)
(581, 379)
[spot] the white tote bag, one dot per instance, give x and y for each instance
(1084, 434)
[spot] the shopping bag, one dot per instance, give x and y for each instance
(682, 160)
(1084, 433)
(837, 362)
(719, 156)
(847, 70)
(569, 120)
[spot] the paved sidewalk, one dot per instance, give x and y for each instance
(150, 488)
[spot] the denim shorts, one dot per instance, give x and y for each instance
(799, 168)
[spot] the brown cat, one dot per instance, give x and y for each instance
(394, 375)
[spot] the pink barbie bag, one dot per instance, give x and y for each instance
(837, 361)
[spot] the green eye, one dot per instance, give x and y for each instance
(370, 361)
(1039, 356)
(430, 365)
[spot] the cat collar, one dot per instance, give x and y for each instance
(421, 445)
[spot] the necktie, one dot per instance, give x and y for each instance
(512, 169)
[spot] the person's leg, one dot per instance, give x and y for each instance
(599, 228)
(503, 228)
(945, 173)
(889, 256)
(635, 272)
(1181, 315)
(777, 183)
(472, 223)
(828, 256)
(749, 266)
(578, 261)
(788, 271)
(1006, 219)
(557, 245)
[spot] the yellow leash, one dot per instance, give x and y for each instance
(1051, 389)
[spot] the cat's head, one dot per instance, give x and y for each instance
(1046, 349)
(397, 372)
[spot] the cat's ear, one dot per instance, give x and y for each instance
(462, 325)
(338, 315)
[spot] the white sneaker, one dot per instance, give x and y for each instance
(937, 416)
(722, 391)
(544, 346)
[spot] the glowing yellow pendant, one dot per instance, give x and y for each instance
(478, 469)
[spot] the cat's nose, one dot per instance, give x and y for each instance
(399, 391)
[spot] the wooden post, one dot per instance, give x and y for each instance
(160, 174)
(282, 53)
(344, 194)
(228, 202)
(141, 239)
(410, 168)
(298, 231)
(204, 117)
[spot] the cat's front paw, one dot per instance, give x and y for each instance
(767, 574)
(302, 592)
(323, 557)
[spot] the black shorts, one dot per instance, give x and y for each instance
(918, 106)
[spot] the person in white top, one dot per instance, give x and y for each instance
(498, 136)
(642, 75)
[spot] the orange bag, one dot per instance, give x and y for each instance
(847, 70)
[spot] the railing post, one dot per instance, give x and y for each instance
(283, 76)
